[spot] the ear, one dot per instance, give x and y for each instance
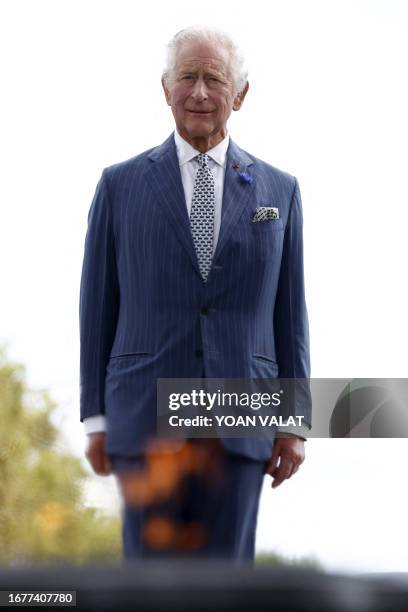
(166, 91)
(239, 98)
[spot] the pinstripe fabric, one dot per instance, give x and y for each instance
(141, 292)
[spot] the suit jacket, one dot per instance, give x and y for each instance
(146, 313)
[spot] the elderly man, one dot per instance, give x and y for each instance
(178, 281)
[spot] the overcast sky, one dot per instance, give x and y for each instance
(327, 103)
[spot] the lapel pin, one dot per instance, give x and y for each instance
(235, 165)
(246, 177)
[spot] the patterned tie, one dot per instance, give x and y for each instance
(202, 215)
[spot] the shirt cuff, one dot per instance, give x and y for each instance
(300, 431)
(95, 423)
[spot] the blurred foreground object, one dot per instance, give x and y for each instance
(193, 586)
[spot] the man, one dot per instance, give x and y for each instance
(178, 281)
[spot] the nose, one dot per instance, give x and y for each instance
(199, 93)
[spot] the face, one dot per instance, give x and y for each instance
(201, 93)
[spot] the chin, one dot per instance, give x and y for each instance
(199, 131)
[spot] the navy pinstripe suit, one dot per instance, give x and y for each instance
(145, 312)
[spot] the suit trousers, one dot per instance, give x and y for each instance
(189, 499)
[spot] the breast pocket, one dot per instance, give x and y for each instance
(269, 225)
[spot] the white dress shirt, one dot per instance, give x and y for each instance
(188, 169)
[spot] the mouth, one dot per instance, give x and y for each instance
(200, 112)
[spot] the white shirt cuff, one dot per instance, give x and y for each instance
(297, 430)
(95, 423)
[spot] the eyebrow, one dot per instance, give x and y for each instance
(210, 72)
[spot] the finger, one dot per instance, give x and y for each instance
(108, 465)
(282, 474)
(103, 464)
(273, 463)
(285, 466)
(294, 470)
(97, 461)
(98, 467)
(277, 481)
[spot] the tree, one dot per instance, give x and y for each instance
(42, 515)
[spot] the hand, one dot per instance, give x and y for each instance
(96, 454)
(291, 451)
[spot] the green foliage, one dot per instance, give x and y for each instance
(277, 560)
(42, 516)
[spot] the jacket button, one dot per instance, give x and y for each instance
(199, 353)
(205, 310)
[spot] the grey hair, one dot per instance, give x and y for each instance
(208, 34)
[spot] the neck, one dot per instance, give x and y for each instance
(203, 143)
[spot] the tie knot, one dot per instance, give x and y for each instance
(202, 159)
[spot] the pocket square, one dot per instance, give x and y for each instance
(265, 213)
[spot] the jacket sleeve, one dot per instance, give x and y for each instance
(291, 326)
(98, 303)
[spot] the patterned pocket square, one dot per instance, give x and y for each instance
(265, 213)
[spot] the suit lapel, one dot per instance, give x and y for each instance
(165, 179)
(236, 194)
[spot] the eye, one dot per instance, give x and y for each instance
(215, 81)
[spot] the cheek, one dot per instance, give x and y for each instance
(225, 108)
(178, 104)
(178, 99)
(225, 104)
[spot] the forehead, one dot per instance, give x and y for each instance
(203, 54)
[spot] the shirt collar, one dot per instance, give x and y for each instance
(186, 152)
